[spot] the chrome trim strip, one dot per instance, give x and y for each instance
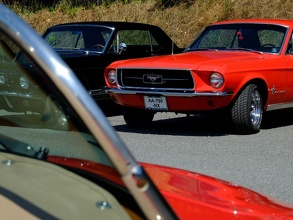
(167, 93)
(119, 73)
(279, 106)
(130, 88)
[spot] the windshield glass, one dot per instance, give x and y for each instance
(78, 37)
(34, 116)
(259, 37)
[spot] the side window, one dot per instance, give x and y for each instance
(24, 98)
(137, 41)
(136, 37)
(18, 90)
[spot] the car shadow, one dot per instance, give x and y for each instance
(183, 126)
(278, 118)
(206, 125)
(110, 109)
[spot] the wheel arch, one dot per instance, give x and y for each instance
(263, 88)
(248, 106)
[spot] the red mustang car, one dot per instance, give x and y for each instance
(239, 69)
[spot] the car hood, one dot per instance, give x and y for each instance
(193, 194)
(196, 60)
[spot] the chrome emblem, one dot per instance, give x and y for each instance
(153, 79)
(274, 91)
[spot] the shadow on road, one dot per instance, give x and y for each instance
(185, 125)
(279, 118)
(206, 125)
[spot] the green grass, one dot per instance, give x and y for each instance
(182, 20)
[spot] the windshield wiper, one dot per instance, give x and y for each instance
(17, 147)
(202, 49)
(225, 48)
(245, 49)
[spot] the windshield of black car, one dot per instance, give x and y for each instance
(257, 37)
(35, 119)
(78, 37)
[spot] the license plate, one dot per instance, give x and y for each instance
(155, 103)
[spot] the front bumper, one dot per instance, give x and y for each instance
(166, 93)
(176, 101)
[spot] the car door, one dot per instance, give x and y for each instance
(273, 64)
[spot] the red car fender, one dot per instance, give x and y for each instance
(196, 195)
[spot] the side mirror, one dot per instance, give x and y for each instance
(122, 48)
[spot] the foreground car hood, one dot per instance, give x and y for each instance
(195, 195)
(194, 60)
(204, 197)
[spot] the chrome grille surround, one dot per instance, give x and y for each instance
(156, 79)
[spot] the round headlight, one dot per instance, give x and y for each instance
(111, 77)
(2, 80)
(23, 82)
(216, 80)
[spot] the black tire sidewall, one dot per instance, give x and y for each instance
(240, 112)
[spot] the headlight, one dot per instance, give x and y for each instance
(216, 80)
(2, 80)
(111, 77)
(23, 82)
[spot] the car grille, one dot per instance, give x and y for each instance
(155, 79)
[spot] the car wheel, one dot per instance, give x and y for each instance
(137, 117)
(247, 111)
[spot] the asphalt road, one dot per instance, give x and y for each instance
(262, 162)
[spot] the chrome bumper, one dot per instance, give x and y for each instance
(165, 93)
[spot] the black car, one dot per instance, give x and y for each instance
(89, 47)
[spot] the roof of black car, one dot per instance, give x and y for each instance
(123, 25)
(114, 24)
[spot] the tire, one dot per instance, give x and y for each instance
(247, 111)
(137, 118)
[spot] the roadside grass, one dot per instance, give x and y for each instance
(181, 20)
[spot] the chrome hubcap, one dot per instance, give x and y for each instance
(255, 108)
